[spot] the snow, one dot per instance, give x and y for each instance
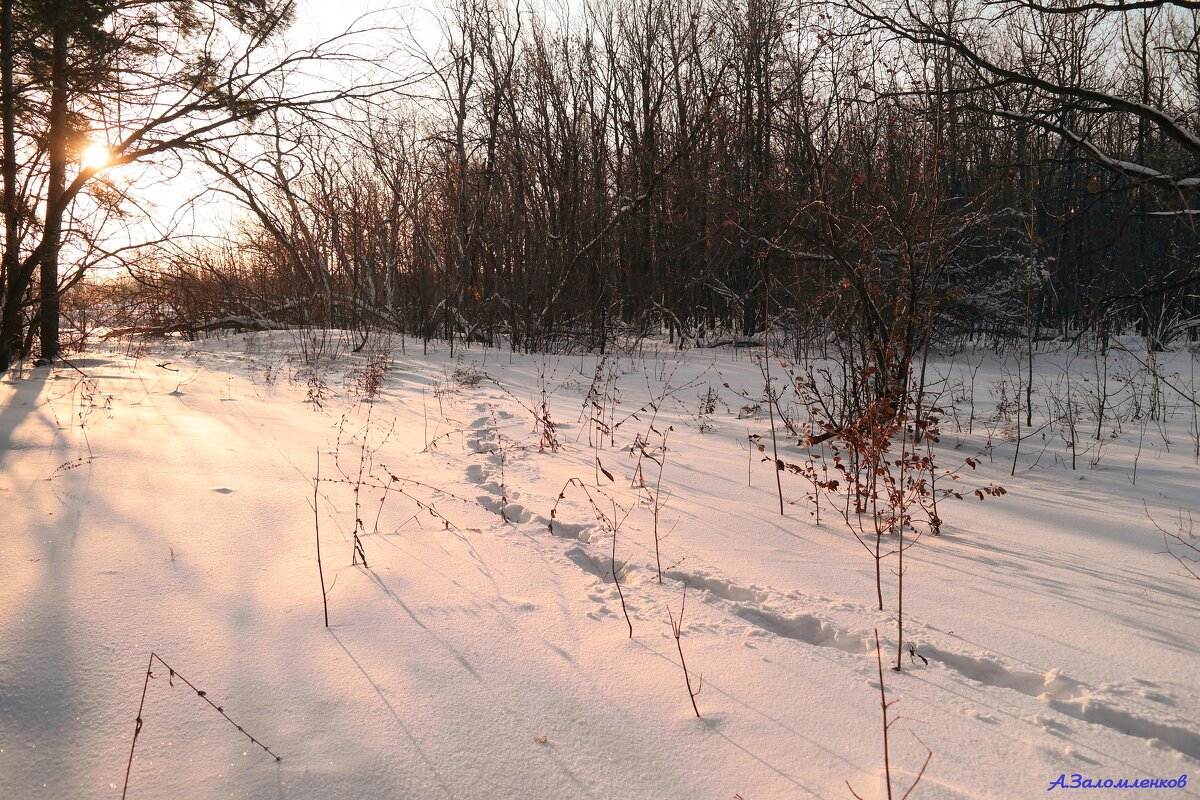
(158, 499)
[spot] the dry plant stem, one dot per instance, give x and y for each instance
(137, 728)
(658, 504)
(1030, 314)
(658, 507)
(397, 484)
(317, 528)
(359, 526)
(879, 554)
(1017, 448)
(503, 457)
(771, 410)
(883, 705)
(677, 631)
(199, 693)
(749, 457)
(771, 395)
(921, 771)
(542, 423)
(425, 420)
(1071, 423)
(612, 525)
(1137, 456)
(899, 596)
(887, 764)
(936, 521)
(1195, 417)
(616, 573)
(901, 504)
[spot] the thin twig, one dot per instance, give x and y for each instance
(199, 693)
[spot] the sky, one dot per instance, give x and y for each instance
(181, 199)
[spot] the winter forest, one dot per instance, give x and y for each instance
(648, 399)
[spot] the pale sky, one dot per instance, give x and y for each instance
(164, 199)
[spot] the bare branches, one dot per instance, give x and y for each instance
(1080, 6)
(155, 85)
(714, 175)
(1135, 172)
(933, 32)
(1181, 543)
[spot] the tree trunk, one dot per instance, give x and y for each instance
(52, 240)
(10, 290)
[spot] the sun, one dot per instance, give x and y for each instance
(96, 156)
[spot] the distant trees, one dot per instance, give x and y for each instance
(1115, 85)
(141, 81)
(879, 177)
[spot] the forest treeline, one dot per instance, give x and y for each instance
(888, 173)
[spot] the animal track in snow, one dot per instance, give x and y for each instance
(1060, 692)
(1068, 697)
(499, 498)
(481, 444)
(569, 530)
(1051, 685)
(601, 568)
(805, 628)
(515, 512)
(1096, 712)
(716, 587)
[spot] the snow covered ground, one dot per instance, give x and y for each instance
(159, 499)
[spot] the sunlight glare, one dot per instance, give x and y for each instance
(96, 156)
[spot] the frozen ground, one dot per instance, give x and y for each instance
(160, 501)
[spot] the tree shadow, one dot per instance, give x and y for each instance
(20, 404)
